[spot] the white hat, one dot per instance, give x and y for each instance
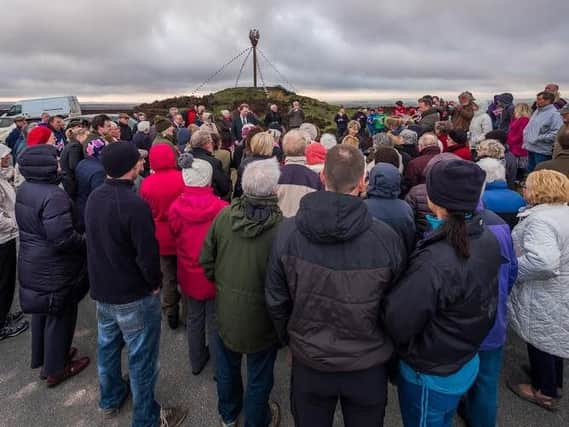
(195, 172)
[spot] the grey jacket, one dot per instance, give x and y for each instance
(8, 225)
(539, 303)
(541, 130)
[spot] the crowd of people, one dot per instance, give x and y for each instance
(400, 248)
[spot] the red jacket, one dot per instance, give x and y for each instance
(160, 189)
(190, 218)
(414, 171)
(462, 151)
(191, 117)
(400, 111)
(516, 136)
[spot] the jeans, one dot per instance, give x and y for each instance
(201, 320)
(422, 407)
(481, 401)
(259, 385)
(546, 371)
(535, 158)
(315, 394)
(136, 324)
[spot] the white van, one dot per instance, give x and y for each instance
(32, 108)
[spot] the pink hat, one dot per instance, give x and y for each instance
(315, 154)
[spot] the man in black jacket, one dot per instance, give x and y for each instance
(126, 130)
(328, 270)
(202, 148)
(243, 118)
(124, 273)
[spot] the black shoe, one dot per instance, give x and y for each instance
(173, 321)
(199, 371)
(14, 317)
(13, 329)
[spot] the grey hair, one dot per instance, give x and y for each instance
(494, 168)
(409, 137)
(260, 178)
(310, 129)
(200, 138)
(295, 142)
(428, 140)
(143, 126)
(328, 141)
(382, 140)
(225, 113)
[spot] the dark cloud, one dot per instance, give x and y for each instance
(150, 48)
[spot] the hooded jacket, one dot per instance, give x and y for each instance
(498, 198)
(443, 307)
(384, 204)
(51, 260)
(329, 269)
(234, 256)
(159, 190)
(190, 217)
(89, 175)
(505, 118)
(8, 225)
(539, 303)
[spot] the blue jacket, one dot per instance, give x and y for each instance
(51, 261)
(13, 136)
(506, 279)
(89, 175)
(384, 204)
(498, 198)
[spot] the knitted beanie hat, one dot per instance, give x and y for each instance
(38, 135)
(195, 172)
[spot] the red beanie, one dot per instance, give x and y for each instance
(38, 135)
(315, 154)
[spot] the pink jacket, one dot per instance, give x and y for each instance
(190, 218)
(160, 190)
(516, 136)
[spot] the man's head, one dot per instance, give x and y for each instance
(552, 88)
(425, 104)
(20, 122)
(311, 130)
(122, 160)
(202, 139)
(428, 140)
(115, 131)
(226, 114)
(44, 117)
(124, 118)
(244, 109)
(295, 142)
(261, 178)
(342, 110)
(296, 104)
(141, 117)
(178, 119)
(201, 109)
(164, 127)
(101, 124)
(563, 139)
(344, 170)
(56, 122)
(274, 108)
(172, 111)
(544, 99)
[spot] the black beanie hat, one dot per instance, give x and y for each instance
(455, 185)
(458, 136)
(119, 157)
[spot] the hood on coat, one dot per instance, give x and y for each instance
(505, 98)
(384, 181)
(39, 163)
(252, 216)
(162, 157)
(199, 204)
(328, 217)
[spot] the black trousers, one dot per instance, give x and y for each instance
(546, 371)
(314, 395)
(7, 278)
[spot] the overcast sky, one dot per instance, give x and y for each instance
(111, 50)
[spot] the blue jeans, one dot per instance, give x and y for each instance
(481, 401)
(136, 324)
(422, 407)
(230, 385)
(535, 158)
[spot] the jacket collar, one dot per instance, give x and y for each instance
(119, 182)
(529, 210)
(199, 150)
(496, 185)
(432, 150)
(475, 226)
(295, 160)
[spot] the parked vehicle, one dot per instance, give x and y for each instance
(6, 126)
(32, 108)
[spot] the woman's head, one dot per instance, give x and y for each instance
(262, 144)
(546, 186)
(393, 122)
(491, 148)
(353, 127)
(40, 135)
(522, 110)
(453, 190)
